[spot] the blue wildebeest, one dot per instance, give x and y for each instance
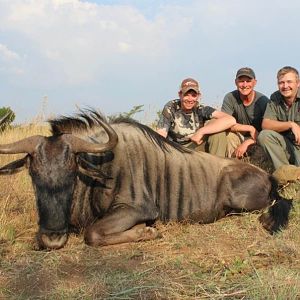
(116, 181)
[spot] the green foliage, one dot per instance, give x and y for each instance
(158, 113)
(153, 125)
(136, 109)
(133, 111)
(7, 116)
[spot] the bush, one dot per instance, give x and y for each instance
(7, 116)
(133, 111)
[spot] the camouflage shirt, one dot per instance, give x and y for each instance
(180, 124)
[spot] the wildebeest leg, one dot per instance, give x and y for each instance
(244, 189)
(139, 232)
(122, 225)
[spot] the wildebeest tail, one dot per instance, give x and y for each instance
(277, 216)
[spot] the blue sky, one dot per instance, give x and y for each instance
(58, 55)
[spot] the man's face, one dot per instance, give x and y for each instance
(245, 85)
(288, 85)
(188, 100)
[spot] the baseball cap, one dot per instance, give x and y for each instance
(189, 84)
(245, 72)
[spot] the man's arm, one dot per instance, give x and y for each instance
(275, 125)
(281, 126)
(220, 122)
(245, 128)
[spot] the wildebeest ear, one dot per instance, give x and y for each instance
(14, 167)
(89, 169)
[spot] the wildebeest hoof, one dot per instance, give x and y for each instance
(50, 241)
(148, 233)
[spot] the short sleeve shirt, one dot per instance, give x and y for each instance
(247, 115)
(277, 109)
(180, 124)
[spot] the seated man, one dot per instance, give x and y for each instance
(183, 121)
(280, 137)
(247, 106)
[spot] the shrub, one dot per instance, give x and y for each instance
(7, 116)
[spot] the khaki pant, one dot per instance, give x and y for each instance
(221, 144)
(280, 149)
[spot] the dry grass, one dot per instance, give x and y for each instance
(233, 258)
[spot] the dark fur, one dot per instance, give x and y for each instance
(144, 178)
(84, 122)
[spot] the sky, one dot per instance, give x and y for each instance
(57, 56)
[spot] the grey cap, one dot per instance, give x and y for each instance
(245, 72)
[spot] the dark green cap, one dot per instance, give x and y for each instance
(245, 72)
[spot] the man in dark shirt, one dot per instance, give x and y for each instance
(183, 120)
(280, 137)
(247, 106)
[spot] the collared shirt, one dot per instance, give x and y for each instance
(247, 115)
(279, 111)
(180, 124)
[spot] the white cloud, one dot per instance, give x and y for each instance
(10, 61)
(8, 55)
(81, 36)
(145, 49)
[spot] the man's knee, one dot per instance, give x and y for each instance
(265, 136)
(220, 136)
(217, 144)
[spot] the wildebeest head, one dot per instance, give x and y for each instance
(53, 164)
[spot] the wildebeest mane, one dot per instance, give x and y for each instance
(150, 134)
(88, 119)
(85, 120)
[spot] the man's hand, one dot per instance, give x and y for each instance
(296, 131)
(253, 133)
(197, 138)
(241, 150)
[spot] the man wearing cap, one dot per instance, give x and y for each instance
(183, 121)
(280, 137)
(247, 106)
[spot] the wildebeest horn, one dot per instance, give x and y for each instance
(26, 145)
(80, 145)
